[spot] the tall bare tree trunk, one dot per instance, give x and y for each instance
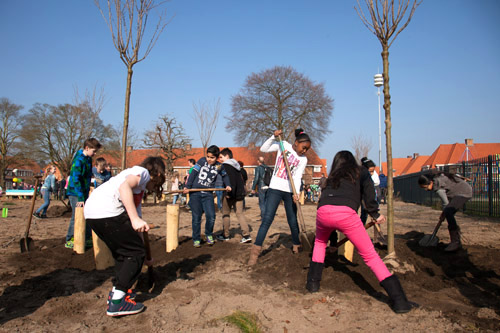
(388, 137)
(128, 92)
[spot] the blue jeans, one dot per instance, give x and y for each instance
(262, 202)
(176, 196)
(200, 203)
(46, 202)
(220, 197)
(71, 229)
(273, 199)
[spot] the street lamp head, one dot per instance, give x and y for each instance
(378, 80)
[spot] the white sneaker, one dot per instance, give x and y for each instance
(246, 239)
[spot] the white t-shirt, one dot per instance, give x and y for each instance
(375, 178)
(105, 200)
(297, 164)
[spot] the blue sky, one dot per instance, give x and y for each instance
(444, 68)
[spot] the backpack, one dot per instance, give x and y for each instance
(268, 174)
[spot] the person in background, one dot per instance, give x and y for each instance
(244, 174)
(99, 172)
(48, 187)
(258, 184)
(233, 199)
(383, 188)
(454, 192)
(219, 194)
(175, 186)
(78, 187)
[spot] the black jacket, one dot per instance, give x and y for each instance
(350, 194)
(238, 191)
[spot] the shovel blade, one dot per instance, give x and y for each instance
(307, 240)
(429, 240)
(26, 244)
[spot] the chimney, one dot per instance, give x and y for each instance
(415, 155)
(188, 146)
(408, 156)
(469, 142)
(251, 145)
(130, 148)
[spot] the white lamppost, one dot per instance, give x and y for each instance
(378, 82)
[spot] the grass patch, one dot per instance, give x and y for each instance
(246, 322)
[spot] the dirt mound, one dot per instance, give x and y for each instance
(54, 289)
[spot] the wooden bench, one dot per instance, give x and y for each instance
(19, 193)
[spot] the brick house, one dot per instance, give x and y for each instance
(315, 168)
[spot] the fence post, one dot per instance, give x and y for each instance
(490, 185)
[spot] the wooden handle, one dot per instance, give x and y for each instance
(32, 207)
(197, 190)
(345, 239)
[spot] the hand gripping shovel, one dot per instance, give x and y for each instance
(26, 243)
(431, 240)
(306, 238)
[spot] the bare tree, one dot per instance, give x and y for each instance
(386, 21)
(127, 21)
(169, 137)
(206, 116)
(279, 98)
(55, 133)
(361, 146)
(10, 124)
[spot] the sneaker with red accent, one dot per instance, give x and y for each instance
(130, 293)
(123, 307)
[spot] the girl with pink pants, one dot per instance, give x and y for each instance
(330, 218)
(346, 186)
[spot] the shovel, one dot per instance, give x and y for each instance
(151, 277)
(345, 239)
(306, 238)
(431, 240)
(26, 243)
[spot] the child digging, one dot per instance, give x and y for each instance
(348, 183)
(203, 176)
(113, 211)
(280, 188)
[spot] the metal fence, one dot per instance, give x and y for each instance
(482, 174)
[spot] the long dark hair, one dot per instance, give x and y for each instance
(156, 168)
(344, 166)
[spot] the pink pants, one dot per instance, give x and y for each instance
(330, 218)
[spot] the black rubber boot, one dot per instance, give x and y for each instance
(314, 276)
(399, 303)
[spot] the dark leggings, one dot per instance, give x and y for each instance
(126, 246)
(450, 210)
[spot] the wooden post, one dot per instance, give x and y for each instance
(172, 227)
(302, 198)
(79, 231)
(102, 255)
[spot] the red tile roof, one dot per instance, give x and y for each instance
(456, 153)
(247, 155)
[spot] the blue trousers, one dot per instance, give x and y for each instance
(262, 202)
(273, 200)
(71, 229)
(46, 202)
(202, 202)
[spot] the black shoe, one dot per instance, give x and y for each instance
(398, 301)
(38, 216)
(314, 276)
(222, 238)
(43, 216)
